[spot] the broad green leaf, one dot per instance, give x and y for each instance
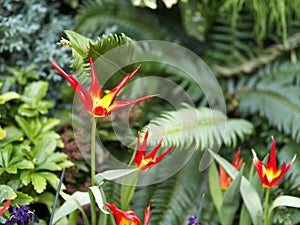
(6, 193)
(51, 166)
(50, 124)
(98, 197)
(26, 176)
(248, 192)
(5, 155)
(27, 111)
(285, 200)
(21, 163)
(52, 179)
(43, 149)
(65, 164)
(39, 182)
(214, 186)
(231, 200)
(12, 134)
(73, 202)
(21, 199)
(30, 126)
(113, 174)
(35, 91)
(8, 96)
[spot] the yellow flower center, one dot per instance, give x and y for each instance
(271, 174)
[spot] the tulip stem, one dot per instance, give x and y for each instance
(93, 151)
(267, 195)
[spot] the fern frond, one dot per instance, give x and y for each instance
(201, 127)
(80, 44)
(231, 45)
(274, 94)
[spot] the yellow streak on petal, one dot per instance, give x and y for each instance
(107, 100)
(271, 174)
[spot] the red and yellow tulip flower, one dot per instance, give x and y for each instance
(144, 162)
(128, 217)
(92, 99)
(269, 175)
(225, 179)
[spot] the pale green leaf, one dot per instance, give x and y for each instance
(73, 202)
(113, 174)
(6, 193)
(98, 197)
(214, 186)
(285, 200)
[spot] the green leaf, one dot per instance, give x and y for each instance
(39, 182)
(73, 202)
(26, 110)
(285, 200)
(22, 199)
(98, 197)
(214, 186)
(8, 96)
(248, 192)
(35, 91)
(79, 44)
(113, 174)
(12, 134)
(50, 124)
(30, 126)
(52, 179)
(6, 193)
(231, 200)
(26, 176)
(5, 155)
(43, 149)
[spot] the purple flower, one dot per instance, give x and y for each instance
(21, 215)
(193, 220)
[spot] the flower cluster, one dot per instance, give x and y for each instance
(193, 220)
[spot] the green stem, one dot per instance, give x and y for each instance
(93, 151)
(93, 208)
(267, 195)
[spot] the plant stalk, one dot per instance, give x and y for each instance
(267, 195)
(93, 151)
